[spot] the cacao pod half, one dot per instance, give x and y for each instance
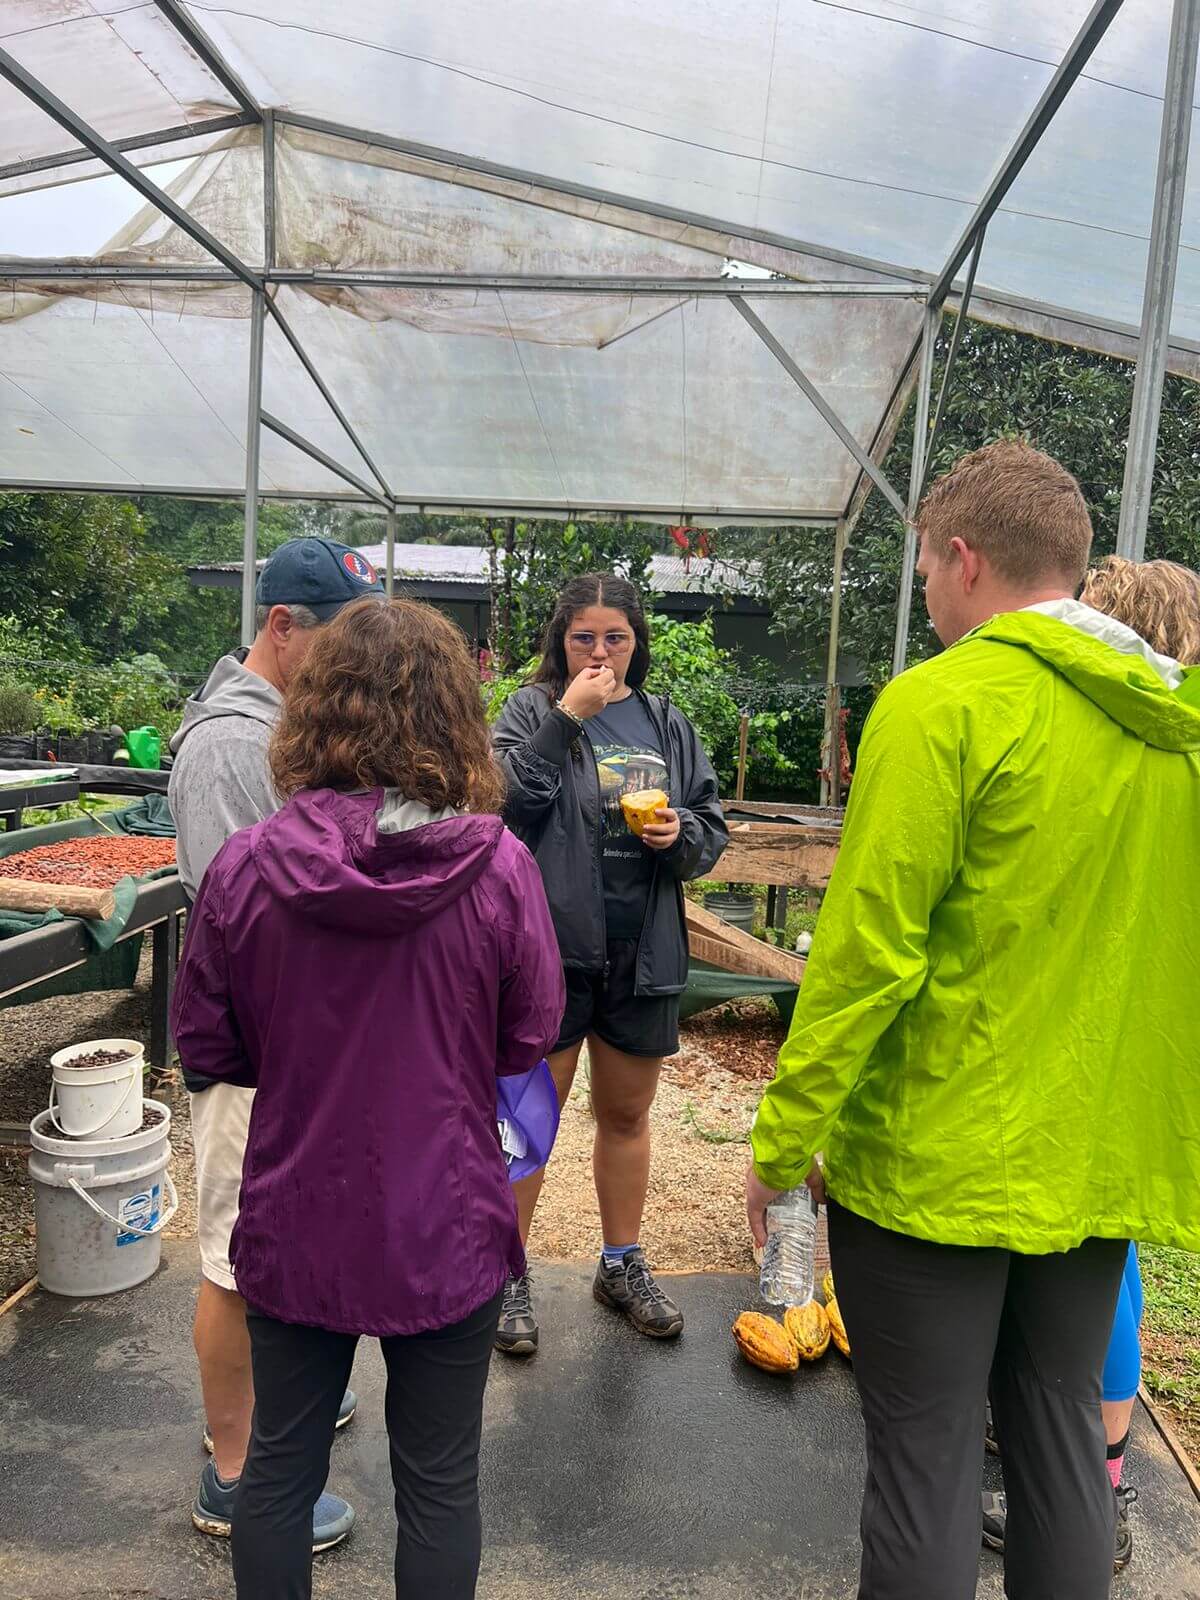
(827, 1288)
(642, 807)
(807, 1327)
(764, 1343)
(837, 1327)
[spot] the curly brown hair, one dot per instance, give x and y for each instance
(1158, 599)
(388, 697)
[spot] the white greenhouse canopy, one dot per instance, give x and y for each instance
(669, 260)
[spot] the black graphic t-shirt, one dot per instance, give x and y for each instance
(628, 758)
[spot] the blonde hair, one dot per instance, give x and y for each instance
(1158, 599)
(1016, 506)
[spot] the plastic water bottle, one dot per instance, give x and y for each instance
(786, 1275)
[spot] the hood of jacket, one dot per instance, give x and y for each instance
(230, 691)
(1148, 694)
(370, 863)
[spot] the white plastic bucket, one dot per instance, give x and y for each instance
(101, 1205)
(97, 1102)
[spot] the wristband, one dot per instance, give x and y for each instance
(567, 712)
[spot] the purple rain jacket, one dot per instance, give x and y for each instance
(370, 986)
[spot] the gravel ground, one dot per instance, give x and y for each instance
(694, 1217)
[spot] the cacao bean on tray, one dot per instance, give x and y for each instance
(97, 862)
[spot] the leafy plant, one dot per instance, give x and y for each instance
(20, 708)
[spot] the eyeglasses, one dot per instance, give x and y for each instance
(614, 643)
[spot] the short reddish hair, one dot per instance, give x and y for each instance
(1016, 506)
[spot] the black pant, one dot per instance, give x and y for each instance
(434, 1414)
(933, 1327)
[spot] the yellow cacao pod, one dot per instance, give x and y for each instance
(807, 1327)
(827, 1288)
(837, 1327)
(764, 1343)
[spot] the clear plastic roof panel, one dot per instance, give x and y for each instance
(684, 408)
(123, 68)
(815, 138)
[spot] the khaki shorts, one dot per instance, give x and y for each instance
(220, 1128)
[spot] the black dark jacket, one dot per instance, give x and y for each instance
(554, 807)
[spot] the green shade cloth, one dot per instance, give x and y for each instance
(150, 817)
(710, 986)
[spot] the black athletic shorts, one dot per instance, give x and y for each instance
(637, 1025)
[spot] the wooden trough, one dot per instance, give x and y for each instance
(792, 847)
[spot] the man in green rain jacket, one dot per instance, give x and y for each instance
(997, 1043)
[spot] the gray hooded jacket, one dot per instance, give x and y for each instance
(220, 781)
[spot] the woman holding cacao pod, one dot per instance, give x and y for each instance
(372, 959)
(611, 790)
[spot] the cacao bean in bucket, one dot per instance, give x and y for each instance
(96, 1092)
(101, 1204)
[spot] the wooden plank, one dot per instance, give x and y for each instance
(787, 856)
(717, 942)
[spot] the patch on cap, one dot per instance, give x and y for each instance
(359, 567)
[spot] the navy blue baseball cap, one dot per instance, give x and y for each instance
(318, 573)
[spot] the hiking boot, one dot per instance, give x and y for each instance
(629, 1287)
(990, 1442)
(995, 1516)
(517, 1330)
(1124, 1551)
(345, 1414)
(215, 1502)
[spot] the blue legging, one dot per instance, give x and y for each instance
(1123, 1364)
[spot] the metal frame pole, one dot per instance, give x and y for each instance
(960, 324)
(819, 402)
(389, 577)
(253, 450)
(1169, 194)
(916, 481)
(197, 40)
(829, 784)
(268, 155)
(1078, 55)
(315, 453)
(139, 141)
(87, 136)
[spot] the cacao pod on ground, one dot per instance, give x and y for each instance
(827, 1288)
(837, 1327)
(807, 1327)
(764, 1343)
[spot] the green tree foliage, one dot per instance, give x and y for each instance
(530, 563)
(1073, 404)
(81, 570)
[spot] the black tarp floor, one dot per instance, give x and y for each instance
(611, 1466)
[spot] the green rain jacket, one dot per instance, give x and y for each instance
(997, 1041)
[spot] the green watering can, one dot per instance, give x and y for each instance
(145, 748)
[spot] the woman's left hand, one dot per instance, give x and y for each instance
(662, 833)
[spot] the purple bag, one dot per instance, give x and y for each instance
(527, 1112)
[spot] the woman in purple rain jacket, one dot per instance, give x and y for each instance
(369, 959)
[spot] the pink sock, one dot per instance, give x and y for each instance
(1115, 1464)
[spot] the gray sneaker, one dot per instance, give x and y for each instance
(995, 1518)
(215, 1507)
(517, 1330)
(629, 1287)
